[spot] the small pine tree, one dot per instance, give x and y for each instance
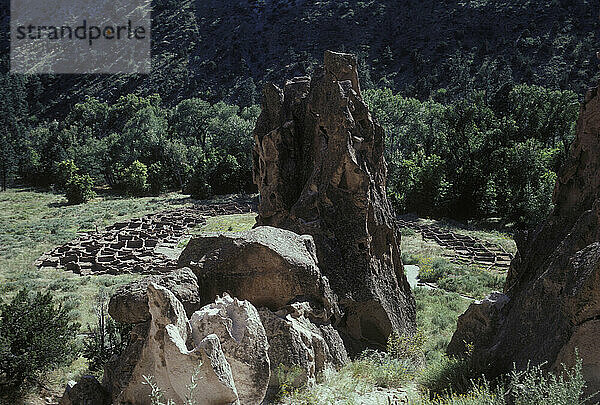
(36, 336)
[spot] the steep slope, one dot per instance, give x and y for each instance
(228, 49)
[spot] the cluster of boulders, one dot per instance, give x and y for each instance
(135, 245)
(184, 329)
(550, 310)
(320, 276)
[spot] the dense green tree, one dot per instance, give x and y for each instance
(36, 335)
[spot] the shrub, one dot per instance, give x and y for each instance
(227, 176)
(433, 269)
(65, 172)
(531, 386)
(197, 184)
(407, 346)
(106, 338)
(135, 178)
(451, 374)
(36, 336)
(79, 189)
(382, 369)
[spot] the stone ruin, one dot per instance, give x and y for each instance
(320, 171)
(321, 275)
(135, 246)
(551, 302)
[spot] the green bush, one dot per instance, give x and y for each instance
(197, 184)
(135, 178)
(65, 172)
(407, 346)
(79, 189)
(532, 386)
(382, 369)
(227, 176)
(433, 269)
(36, 336)
(451, 374)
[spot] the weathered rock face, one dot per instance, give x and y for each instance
(553, 284)
(267, 266)
(129, 304)
(159, 349)
(244, 343)
(299, 347)
(320, 170)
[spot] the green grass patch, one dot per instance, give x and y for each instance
(228, 223)
(34, 222)
(437, 312)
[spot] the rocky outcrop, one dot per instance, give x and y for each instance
(87, 391)
(244, 343)
(320, 170)
(300, 349)
(159, 349)
(129, 304)
(479, 323)
(278, 271)
(267, 266)
(553, 285)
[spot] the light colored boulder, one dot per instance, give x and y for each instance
(267, 266)
(299, 348)
(583, 345)
(244, 343)
(478, 325)
(159, 349)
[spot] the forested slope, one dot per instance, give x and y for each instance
(226, 49)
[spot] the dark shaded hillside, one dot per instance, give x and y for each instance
(414, 44)
(227, 49)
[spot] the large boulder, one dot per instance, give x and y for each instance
(553, 285)
(266, 266)
(159, 350)
(87, 391)
(129, 304)
(320, 170)
(244, 343)
(299, 348)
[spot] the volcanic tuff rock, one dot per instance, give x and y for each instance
(87, 391)
(276, 270)
(320, 170)
(129, 304)
(553, 285)
(300, 347)
(267, 266)
(162, 353)
(243, 340)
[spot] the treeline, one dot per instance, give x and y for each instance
(136, 146)
(490, 153)
(485, 155)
